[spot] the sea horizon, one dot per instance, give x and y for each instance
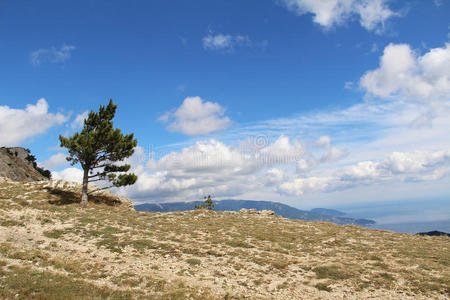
(414, 227)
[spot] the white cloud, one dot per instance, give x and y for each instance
(213, 156)
(402, 166)
(372, 14)
(304, 165)
(364, 170)
(323, 141)
(213, 167)
(333, 154)
(69, 174)
(196, 117)
(51, 55)
(219, 41)
(275, 176)
(299, 186)
(403, 72)
(138, 158)
(55, 160)
(225, 42)
(15, 123)
(417, 162)
(78, 122)
(206, 156)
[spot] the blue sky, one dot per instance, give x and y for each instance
(310, 103)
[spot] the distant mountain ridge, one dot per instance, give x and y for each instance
(279, 209)
(328, 212)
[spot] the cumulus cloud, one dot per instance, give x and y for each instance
(214, 157)
(204, 156)
(275, 176)
(225, 42)
(195, 117)
(304, 165)
(15, 123)
(299, 186)
(215, 167)
(402, 166)
(403, 72)
(58, 159)
(419, 165)
(329, 153)
(51, 55)
(333, 154)
(212, 167)
(283, 150)
(372, 14)
(69, 174)
(323, 141)
(78, 122)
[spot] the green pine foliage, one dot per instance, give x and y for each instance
(98, 147)
(209, 205)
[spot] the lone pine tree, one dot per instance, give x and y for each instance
(97, 147)
(209, 205)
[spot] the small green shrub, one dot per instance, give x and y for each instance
(331, 272)
(11, 223)
(238, 243)
(323, 287)
(193, 261)
(54, 234)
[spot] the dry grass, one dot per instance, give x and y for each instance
(107, 251)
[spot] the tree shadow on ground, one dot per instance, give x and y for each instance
(69, 197)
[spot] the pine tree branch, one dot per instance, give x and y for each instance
(100, 189)
(97, 175)
(95, 180)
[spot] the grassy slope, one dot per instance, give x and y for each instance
(51, 248)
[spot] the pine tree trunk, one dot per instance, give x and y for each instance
(84, 189)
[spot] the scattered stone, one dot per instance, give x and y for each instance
(265, 212)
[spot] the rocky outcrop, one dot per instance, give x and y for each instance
(15, 164)
(264, 212)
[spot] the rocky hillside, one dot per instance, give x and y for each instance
(52, 248)
(17, 164)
